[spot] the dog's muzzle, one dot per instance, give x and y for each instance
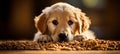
(62, 37)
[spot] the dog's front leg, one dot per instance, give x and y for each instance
(85, 36)
(42, 38)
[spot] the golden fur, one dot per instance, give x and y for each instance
(62, 12)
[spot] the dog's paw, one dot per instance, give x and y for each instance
(80, 37)
(43, 38)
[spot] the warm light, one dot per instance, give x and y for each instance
(90, 3)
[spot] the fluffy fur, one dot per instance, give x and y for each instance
(64, 14)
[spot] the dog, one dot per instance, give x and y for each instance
(62, 22)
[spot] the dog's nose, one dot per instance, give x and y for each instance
(62, 37)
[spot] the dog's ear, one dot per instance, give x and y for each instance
(83, 21)
(41, 23)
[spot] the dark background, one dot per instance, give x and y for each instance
(16, 17)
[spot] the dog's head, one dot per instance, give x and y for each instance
(62, 22)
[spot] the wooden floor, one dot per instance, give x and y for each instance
(57, 52)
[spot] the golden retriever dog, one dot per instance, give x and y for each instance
(62, 22)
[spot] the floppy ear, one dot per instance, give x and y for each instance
(83, 21)
(41, 23)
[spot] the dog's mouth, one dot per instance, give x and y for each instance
(63, 40)
(58, 39)
(62, 37)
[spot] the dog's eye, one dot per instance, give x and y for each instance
(70, 22)
(55, 22)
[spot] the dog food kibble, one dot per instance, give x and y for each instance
(73, 45)
(66, 48)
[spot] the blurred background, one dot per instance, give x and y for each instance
(16, 17)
